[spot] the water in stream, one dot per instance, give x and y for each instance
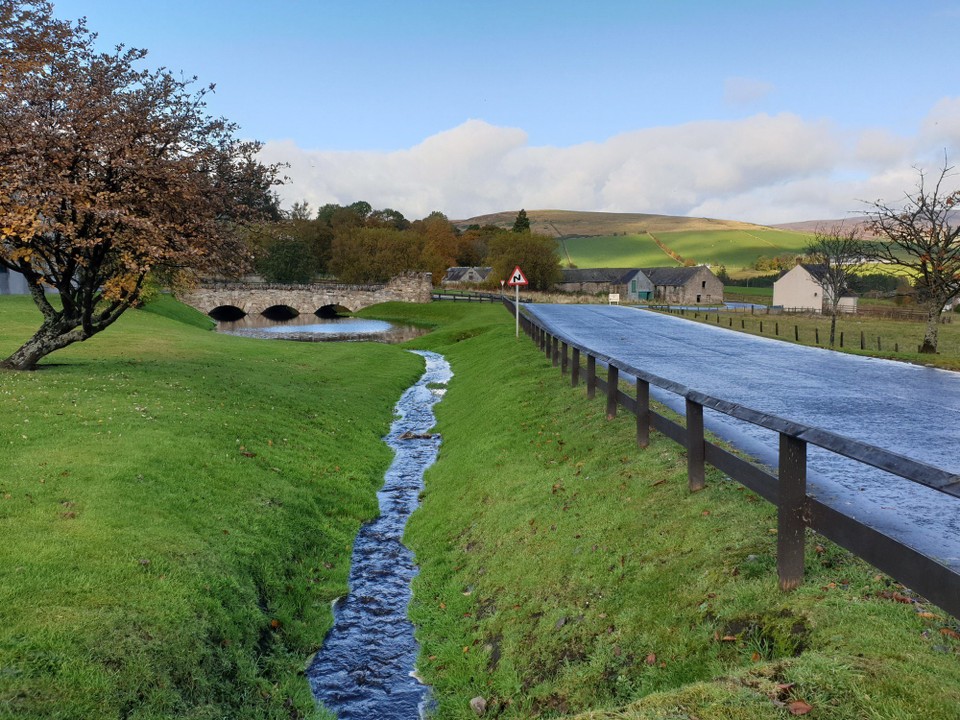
(365, 668)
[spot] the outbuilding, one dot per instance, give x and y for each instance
(695, 285)
(629, 283)
(465, 275)
(12, 283)
(802, 289)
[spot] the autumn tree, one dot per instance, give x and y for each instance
(536, 254)
(923, 238)
(109, 172)
(836, 254)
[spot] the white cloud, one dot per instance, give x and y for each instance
(762, 168)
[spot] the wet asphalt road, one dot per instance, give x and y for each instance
(910, 410)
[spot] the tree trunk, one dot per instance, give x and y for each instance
(929, 345)
(50, 337)
(833, 328)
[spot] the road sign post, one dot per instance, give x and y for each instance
(517, 278)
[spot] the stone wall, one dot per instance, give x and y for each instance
(253, 299)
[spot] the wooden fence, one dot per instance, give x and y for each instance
(466, 296)
(796, 510)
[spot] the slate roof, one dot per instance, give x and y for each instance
(456, 274)
(614, 276)
(678, 276)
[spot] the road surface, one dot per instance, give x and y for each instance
(907, 409)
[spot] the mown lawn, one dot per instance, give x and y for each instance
(565, 573)
(177, 511)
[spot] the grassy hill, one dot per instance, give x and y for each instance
(571, 223)
(598, 239)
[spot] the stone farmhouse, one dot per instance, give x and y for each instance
(676, 286)
(801, 288)
(464, 275)
(695, 285)
(631, 284)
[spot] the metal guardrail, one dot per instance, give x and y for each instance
(787, 489)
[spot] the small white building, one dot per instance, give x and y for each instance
(12, 283)
(802, 289)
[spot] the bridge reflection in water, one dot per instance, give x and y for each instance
(311, 328)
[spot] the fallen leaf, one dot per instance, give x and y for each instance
(799, 707)
(651, 659)
(950, 633)
(755, 657)
(926, 615)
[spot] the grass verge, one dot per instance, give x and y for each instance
(177, 510)
(564, 573)
(890, 339)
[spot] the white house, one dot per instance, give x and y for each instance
(802, 289)
(12, 283)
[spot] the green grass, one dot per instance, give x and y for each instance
(734, 249)
(177, 509)
(762, 294)
(563, 571)
(620, 251)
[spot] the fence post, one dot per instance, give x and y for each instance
(548, 345)
(555, 353)
(695, 451)
(613, 388)
(792, 476)
(591, 377)
(563, 358)
(643, 413)
(575, 370)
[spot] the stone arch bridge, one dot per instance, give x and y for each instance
(258, 298)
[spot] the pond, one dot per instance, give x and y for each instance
(311, 328)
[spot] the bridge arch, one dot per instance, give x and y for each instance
(280, 312)
(227, 313)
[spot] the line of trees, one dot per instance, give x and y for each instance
(358, 244)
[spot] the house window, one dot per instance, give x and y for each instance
(703, 285)
(698, 298)
(633, 286)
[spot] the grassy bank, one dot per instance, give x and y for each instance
(177, 509)
(564, 573)
(891, 339)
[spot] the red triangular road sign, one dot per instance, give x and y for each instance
(517, 278)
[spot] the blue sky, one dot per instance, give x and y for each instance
(769, 111)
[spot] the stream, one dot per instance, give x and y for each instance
(365, 668)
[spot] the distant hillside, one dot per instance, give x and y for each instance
(811, 226)
(571, 223)
(598, 239)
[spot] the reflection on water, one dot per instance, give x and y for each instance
(310, 328)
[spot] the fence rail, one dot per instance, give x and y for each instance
(787, 488)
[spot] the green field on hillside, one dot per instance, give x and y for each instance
(618, 251)
(734, 249)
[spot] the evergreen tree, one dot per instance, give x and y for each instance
(522, 223)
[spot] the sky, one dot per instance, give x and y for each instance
(766, 111)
